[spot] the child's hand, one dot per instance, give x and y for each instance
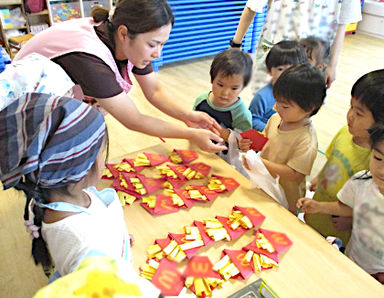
(313, 184)
(308, 205)
(245, 164)
(245, 144)
(342, 223)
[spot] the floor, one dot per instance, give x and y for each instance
(19, 277)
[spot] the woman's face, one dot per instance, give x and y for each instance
(144, 48)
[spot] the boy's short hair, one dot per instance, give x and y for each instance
(285, 52)
(369, 90)
(303, 84)
(312, 43)
(231, 62)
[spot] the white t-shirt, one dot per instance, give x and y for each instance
(366, 246)
(290, 19)
(102, 230)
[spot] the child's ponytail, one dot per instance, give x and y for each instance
(39, 248)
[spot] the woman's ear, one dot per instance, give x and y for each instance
(122, 32)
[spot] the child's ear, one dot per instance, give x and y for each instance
(321, 66)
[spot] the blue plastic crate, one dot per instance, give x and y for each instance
(204, 28)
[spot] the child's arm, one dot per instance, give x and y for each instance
(258, 110)
(285, 172)
(334, 208)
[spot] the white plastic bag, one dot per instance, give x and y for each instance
(233, 155)
(261, 178)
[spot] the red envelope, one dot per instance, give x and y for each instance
(207, 240)
(155, 159)
(252, 246)
(180, 239)
(261, 251)
(117, 186)
(237, 257)
(200, 167)
(229, 183)
(255, 216)
(200, 266)
(131, 162)
(233, 233)
(210, 194)
(150, 184)
(279, 241)
(176, 183)
(183, 194)
(168, 279)
(257, 138)
(163, 205)
(163, 243)
(114, 172)
(179, 170)
(130, 192)
(186, 155)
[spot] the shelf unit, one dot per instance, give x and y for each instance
(38, 21)
(204, 28)
(62, 10)
(11, 4)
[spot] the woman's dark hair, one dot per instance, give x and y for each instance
(369, 90)
(231, 62)
(286, 52)
(139, 16)
(311, 44)
(302, 84)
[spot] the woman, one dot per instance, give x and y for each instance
(99, 55)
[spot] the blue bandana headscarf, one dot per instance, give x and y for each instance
(51, 140)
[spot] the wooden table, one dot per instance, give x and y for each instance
(310, 268)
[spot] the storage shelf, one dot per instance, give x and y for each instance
(15, 28)
(41, 13)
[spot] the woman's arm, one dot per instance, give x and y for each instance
(330, 72)
(156, 94)
(245, 20)
(124, 110)
(285, 172)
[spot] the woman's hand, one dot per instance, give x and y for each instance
(308, 205)
(330, 75)
(245, 144)
(197, 119)
(203, 139)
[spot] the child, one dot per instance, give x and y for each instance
(292, 145)
(282, 56)
(52, 149)
(348, 152)
(230, 72)
(363, 197)
(317, 51)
